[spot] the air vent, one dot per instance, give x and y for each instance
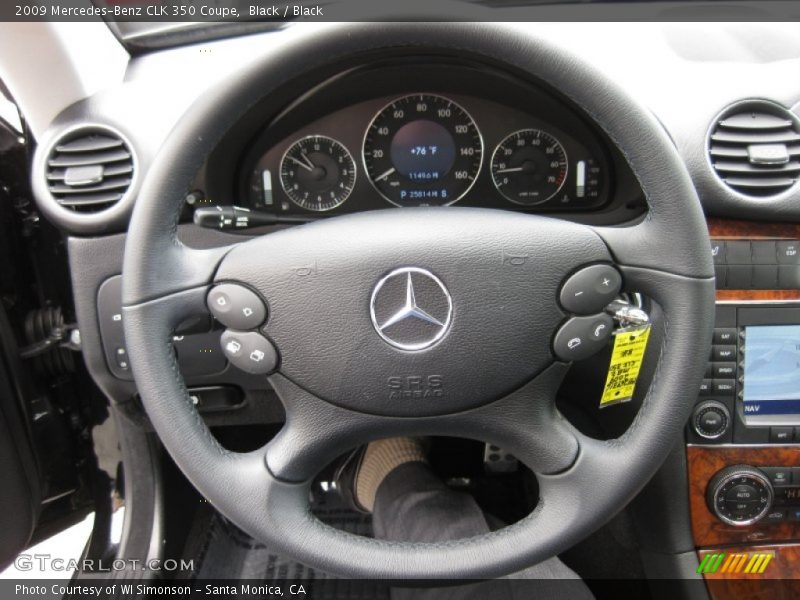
(89, 170)
(755, 148)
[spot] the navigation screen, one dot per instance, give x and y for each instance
(772, 370)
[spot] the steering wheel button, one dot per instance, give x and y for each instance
(591, 289)
(249, 351)
(580, 337)
(236, 306)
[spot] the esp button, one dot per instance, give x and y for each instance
(591, 289)
(249, 351)
(580, 337)
(236, 306)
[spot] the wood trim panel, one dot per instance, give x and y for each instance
(728, 229)
(757, 295)
(703, 463)
(753, 230)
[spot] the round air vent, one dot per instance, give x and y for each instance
(89, 170)
(755, 148)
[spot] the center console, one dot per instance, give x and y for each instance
(751, 393)
(743, 438)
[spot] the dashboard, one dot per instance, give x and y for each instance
(417, 133)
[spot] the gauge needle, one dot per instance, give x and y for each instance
(301, 163)
(385, 174)
(308, 161)
(510, 170)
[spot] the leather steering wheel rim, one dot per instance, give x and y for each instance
(666, 256)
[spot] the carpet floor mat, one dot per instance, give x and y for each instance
(221, 551)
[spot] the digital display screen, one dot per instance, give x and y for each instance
(423, 151)
(772, 370)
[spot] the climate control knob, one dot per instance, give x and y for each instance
(739, 495)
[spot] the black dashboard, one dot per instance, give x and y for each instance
(417, 133)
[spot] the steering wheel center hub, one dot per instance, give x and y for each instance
(411, 309)
(416, 311)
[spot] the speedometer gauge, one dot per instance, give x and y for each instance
(423, 150)
(317, 173)
(529, 167)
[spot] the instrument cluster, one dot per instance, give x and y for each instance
(497, 145)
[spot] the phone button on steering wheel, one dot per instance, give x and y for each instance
(580, 337)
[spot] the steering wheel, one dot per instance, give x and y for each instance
(488, 279)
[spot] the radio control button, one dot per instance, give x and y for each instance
(725, 335)
(706, 386)
(780, 435)
(723, 353)
(711, 419)
(724, 387)
(725, 370)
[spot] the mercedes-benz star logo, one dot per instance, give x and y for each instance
(411, 309)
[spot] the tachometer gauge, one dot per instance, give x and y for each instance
(422, 150)
(318, 173)
(529, 167)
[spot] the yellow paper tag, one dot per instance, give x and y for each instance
(626, 361)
